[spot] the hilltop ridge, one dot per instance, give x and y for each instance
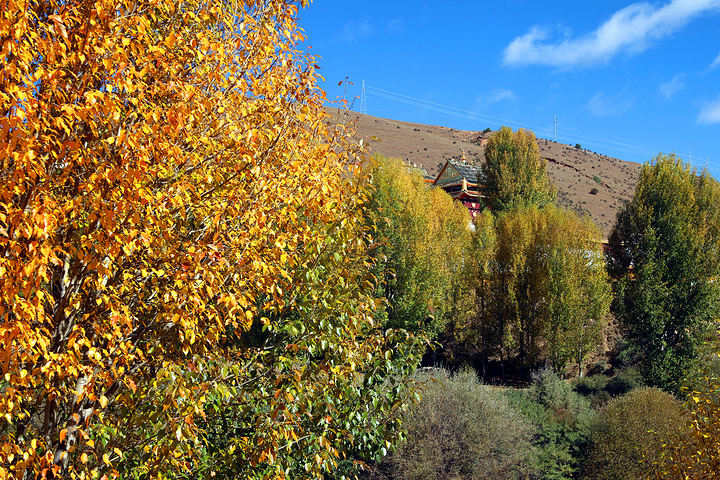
(586, 181)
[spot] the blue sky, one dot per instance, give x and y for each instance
(623, 79)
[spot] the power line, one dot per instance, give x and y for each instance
(458, 112)
(588, 136)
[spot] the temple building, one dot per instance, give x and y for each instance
(460, 180)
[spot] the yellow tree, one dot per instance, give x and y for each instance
(541, 285)
(424, 237)
(168, 181)
(696, 454)
(513, 173)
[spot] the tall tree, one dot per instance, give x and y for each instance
(423, 238)
(544, 293)
(168, 188)
(514, 173)
(665, 249)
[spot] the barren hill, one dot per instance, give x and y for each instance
(585, 181)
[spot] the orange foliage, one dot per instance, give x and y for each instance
(166, 172)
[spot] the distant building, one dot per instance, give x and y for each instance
(460, 180)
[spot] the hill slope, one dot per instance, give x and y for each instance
(574, 172)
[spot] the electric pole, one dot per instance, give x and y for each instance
(363, 100)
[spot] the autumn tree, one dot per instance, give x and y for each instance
(665, 248)
(629, 432)
(514, 173)
(696, 454)
(544, 291)
(422, 241)
(180, 249)
(481, 322)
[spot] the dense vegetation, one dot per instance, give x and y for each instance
(669, 234)
(540, 287)
(201, 277)
(185, 284)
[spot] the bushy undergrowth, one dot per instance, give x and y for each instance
(599, 389)
(562, 419)
(463, 430)
(629, 431)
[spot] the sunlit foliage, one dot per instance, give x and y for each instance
(696, 454)
(514, 173)
(665, 249)
(542, 290)
(423, 239)
(181, 257)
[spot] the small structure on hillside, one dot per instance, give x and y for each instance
(460, 180)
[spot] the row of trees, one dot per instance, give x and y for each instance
(663, 256)
(534, 282)
(540, 287)
(535, 272)
(526, 282)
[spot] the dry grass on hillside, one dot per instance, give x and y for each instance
(586, 182)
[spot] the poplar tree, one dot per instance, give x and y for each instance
(541, 287)
(665, 250)
(513, 174)
(422, 236)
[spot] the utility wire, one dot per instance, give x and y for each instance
(579, 134)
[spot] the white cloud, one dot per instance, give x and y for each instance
(669, 89)
(500, 94)
(354, 31)
(497, 95)
(710, 112)
(715, 63)
(395, 25)
(602, 105)
(631, 30)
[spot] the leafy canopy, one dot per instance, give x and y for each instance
(514, 173)
(540, 283)
(423, 238)
(696, 453)
(180, 250)
(665, 249)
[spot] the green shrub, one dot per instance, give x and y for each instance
(599, 399)
(593, 388)
(598, 388)
(628, 433)
(562, 419)
(626, 354)
(462, 429)
(624, 382)
(589, 386)
(555, 394)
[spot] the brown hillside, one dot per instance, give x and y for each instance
(576, 173)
